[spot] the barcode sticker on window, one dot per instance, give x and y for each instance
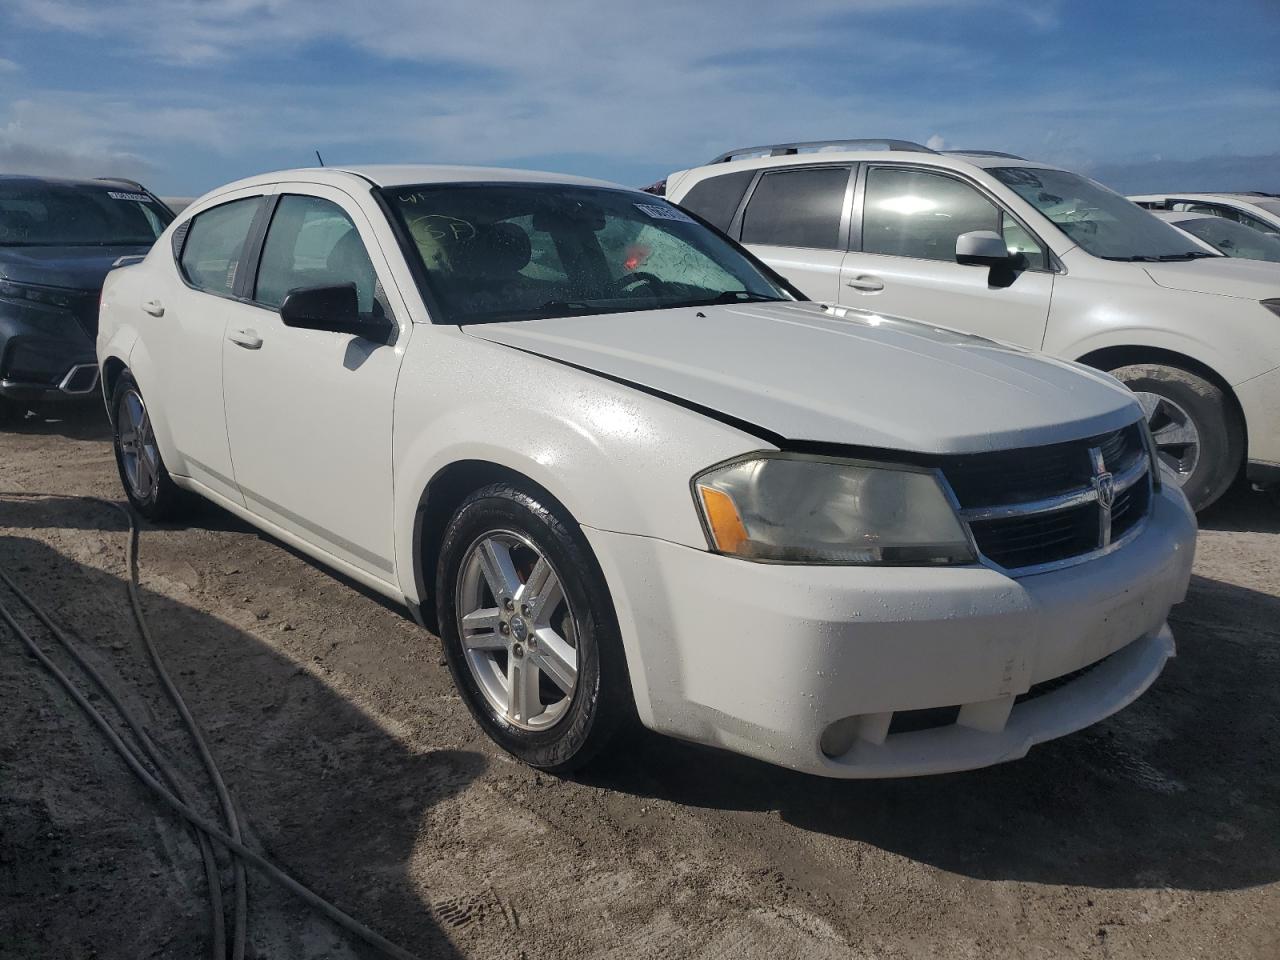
(137, 197)
(660, 211)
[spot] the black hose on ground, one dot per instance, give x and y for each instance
(210, 830)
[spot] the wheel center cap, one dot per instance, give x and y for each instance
(519, 629)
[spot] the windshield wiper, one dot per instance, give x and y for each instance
(729, 296)
(1163, 257)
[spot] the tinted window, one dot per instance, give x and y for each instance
(911, 213)
(37, 213)
(797, 208)
(313, 243)
(716, 199)
(1233, 239)
(1019, 240)
(214, 246)
(499, 252)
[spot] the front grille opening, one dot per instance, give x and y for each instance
(1057, 683)
(1040, 538)
(930, 718)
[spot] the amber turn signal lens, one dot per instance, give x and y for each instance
(722, 516)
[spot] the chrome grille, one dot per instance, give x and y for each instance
(1038, 507)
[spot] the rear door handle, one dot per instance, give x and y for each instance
(153, 307)
(864, 282)
(248, 339)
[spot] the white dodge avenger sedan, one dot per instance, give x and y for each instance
(626, 471)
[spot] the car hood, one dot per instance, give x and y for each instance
(801, 371)
(1223, 276)
(79, 268)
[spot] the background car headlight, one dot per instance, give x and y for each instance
(805, 509)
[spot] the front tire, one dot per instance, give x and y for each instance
(1198, 434)
(146, 481)
(529, 629)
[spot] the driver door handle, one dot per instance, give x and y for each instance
(864, 282)
(248, 339)
(153, 307)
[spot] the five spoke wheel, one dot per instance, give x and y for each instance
(1175, 433)
(138, 452)
(518, 631)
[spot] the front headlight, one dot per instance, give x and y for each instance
(795, 508)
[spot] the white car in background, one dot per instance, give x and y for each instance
(1227, 237)
(626, 470)
(1261, 211)
(1028, 254)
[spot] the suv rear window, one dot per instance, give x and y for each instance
(39, 213)
(716, 199)
(797, 208)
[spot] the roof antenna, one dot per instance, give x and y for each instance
(320, 158)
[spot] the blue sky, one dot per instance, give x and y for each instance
(188, 94)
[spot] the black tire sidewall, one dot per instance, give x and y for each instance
(1221, 435)
(602, 695)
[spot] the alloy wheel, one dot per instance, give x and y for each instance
(138, 451)
(517, 630)
(1176, 436)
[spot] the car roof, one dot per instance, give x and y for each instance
(1191, 195)
(950, 161)
(399, 175)
(1182, 216)
(100, 183)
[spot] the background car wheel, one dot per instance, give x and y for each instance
(146, 482)
(1198, 435)
(10, 412)
(529, 629)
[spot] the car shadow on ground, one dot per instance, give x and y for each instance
(1180, 790)
(86, 420)
(1243, 510)
(326, 791)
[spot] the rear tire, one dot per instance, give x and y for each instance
(10, 412)
(143, 475)
(547, 630)
(1198, 433)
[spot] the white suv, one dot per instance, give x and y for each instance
(626, 470)
(1028, 254)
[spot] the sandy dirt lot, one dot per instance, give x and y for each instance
(1154, 834)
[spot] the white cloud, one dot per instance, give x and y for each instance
(9, 66)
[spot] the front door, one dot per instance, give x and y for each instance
(906, 264)
(309, 412)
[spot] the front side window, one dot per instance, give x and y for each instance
(214, 247)
(312, 242)
(500, 251)
(1101, 221)
(1233, 239)
(915, 213)
(38, 213)
(797, 208)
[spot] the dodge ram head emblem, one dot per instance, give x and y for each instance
(1104, 487)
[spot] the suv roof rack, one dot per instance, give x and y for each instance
(125, 180)
(788, 149)
(985, 153)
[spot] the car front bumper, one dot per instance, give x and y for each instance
(896, 671)
(52, 361)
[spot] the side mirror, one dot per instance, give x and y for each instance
(982, 248)
(986, 248)
(335, 309)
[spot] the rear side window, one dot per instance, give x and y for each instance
(911, 213)
(312, 242)
(716, 199)
(214, 247)
(797, 208)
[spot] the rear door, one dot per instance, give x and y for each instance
(902, 258)
(796, 219)
(309, 412)
(193, 308)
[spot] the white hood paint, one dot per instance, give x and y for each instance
(1222, 276)
(848, 377)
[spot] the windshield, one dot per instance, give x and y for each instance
(1233, 239)
(496, 252)
(37, 213)
(1099, 220)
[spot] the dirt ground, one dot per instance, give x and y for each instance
(1154, 834)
